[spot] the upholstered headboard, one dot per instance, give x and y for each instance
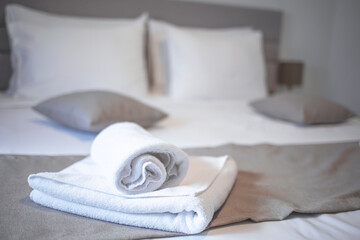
(177, 12)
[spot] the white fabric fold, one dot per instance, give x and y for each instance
(136, 179)
(135, 161)
(186, 208)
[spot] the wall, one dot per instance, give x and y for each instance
(344, 64)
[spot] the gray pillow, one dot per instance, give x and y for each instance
(92, 111)
(302, 109)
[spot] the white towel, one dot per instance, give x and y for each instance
(186, 208)
(137, 162)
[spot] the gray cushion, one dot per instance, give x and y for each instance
(302, 109)
(94, 110)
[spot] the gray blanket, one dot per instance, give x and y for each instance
(273, 181)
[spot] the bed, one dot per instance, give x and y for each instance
(191, 123)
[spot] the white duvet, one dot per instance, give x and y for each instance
(192, 124)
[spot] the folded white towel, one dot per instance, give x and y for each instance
(186, 208)
(137, 162)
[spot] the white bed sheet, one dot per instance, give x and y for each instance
(192, 124)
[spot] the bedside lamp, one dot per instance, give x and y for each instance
(290, 73)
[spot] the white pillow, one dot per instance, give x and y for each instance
(214, 63)
(53, 54)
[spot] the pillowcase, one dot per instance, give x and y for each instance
(54, 54)
(302, 109)
(207, 63)
(92, 111)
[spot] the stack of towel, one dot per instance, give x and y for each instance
(133, 178)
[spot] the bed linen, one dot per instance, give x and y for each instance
(53, 54)
(229, 62)
(190, 124)
(272, 182)
(196, 124)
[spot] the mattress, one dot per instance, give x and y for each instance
(197, 124)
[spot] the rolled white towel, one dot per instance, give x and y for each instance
(137, 162)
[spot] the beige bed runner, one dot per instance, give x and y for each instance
(272, 182)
